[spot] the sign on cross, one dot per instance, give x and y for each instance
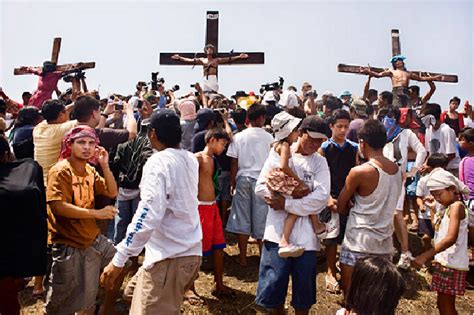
(212, 37)
(396, 50)
(54, 59)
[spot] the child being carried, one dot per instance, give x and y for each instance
(281, 179)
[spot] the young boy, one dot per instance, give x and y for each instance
(424, 199)
(450, 242)
(213, 236)
(341, 155)
(375, 187)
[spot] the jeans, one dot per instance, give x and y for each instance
(126, 210)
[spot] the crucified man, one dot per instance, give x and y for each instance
(209, 63)
(400, 78)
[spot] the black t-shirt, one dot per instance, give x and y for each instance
(340, 161)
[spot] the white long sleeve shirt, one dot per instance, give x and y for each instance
(314, 171)
(406, 139)
(167, 221)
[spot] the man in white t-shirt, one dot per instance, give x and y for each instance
(248, 151)
(440, 138)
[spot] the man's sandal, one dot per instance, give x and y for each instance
(332, 287)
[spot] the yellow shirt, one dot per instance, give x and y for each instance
(47, 140)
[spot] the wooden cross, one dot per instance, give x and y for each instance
(396, 50)
(212, 37)
(54, 59)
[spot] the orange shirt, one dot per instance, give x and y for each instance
(64, 184)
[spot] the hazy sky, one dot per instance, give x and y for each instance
(302, 41)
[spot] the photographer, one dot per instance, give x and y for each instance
(309, 99)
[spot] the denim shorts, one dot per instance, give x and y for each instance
(349, 257)
(249, 213)
(274, 275)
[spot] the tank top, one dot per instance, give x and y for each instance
(370, 222)
(456, 256)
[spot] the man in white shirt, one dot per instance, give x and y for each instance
(275, 271)
(168, 210)
(440, 138)
(248, 151)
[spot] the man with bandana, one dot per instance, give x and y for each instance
(79, 251)
(400, 78)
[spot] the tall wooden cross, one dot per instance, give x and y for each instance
(212, 37)
(396, 50)
(54, 59)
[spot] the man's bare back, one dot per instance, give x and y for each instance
(371, 176)
(206, 173)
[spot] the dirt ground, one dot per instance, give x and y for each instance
(418, 299)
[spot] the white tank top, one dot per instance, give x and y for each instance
(456, 256)
(370, 222)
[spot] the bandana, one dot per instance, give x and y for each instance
(397, 57)
(428, 120)
(441, 179)
(391, 127)
(76, 133)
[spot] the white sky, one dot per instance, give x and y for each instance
(302, 41)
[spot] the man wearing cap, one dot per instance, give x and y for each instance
(346, 98)
(79, 251)
(359, 116)
(400, 77)
(275, 271)
(168, 210)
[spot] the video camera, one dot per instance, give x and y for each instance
(312, 94)
(155, 81)
(79, 74)
(272, 86)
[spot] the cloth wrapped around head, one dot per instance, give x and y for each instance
(76, 133)
(442, 179)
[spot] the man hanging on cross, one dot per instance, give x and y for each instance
(47, 82)
(400, 78)
(209, 63)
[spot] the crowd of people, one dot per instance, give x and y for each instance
(154, 175)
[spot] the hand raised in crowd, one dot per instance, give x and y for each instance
(102, 157)
(109, 276)
(108, 212)
(224, 114)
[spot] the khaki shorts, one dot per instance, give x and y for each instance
(74, 279)
(160, 289)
